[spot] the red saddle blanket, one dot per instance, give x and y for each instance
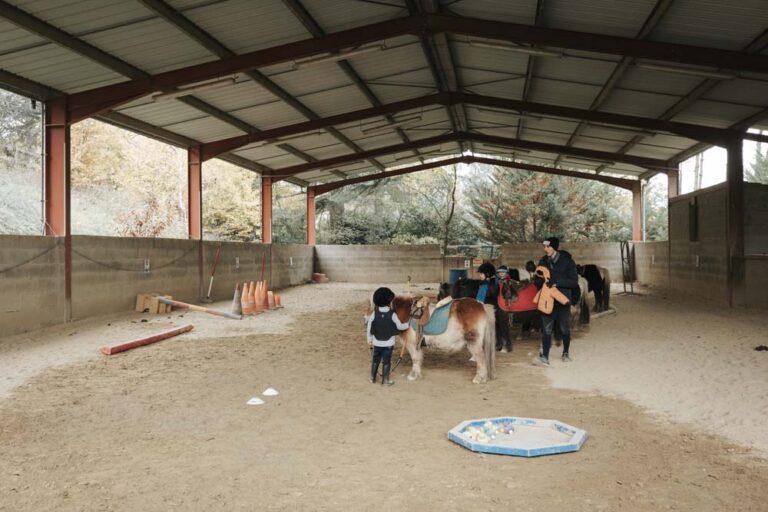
(523, 301)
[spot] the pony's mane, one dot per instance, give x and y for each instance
(402, 306)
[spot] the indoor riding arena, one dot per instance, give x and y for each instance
(199, 198)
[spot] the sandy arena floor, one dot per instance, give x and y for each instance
(166, 427)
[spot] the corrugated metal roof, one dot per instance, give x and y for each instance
(135, 34)
(611, 17)
(713, 23)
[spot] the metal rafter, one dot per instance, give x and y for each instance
(638, 161)
(696, 132)
(538, 19)
(87, 50)
(314, 28)
(658, 11)
(756, 46)
(438, 76)
(90, 102)
(210, 43)
(470, 159)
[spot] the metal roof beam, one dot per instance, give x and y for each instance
(109, 61)
(473, 137)
(210, 43)
(90, 102)
(25, 87)
(651, 22)
(538, 18)
(755, 46)
(438, 76)
(470, 159)
(314, 28)
(599, 43)
(696, 132)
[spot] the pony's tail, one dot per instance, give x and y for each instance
(489, 341)
(583, 310)
(606, 290)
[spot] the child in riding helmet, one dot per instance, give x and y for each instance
(383, 327)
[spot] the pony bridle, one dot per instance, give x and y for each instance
(417, 310)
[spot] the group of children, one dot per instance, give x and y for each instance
(384, 325)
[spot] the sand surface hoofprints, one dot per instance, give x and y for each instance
(166, 427)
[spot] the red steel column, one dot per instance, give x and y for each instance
(735, 220)
(637, 213)
(57, 215)
(311, 233)
(195, 193)
(266, 210)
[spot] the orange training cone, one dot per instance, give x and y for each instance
(257, 297)
(245, 300)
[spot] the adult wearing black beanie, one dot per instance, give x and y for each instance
(563, 275)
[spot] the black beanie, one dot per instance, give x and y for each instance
(554, 242)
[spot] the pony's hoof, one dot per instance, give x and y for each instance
(504, 350)
(472, 359)
(479, 380)
(413, 376)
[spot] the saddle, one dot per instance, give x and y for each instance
(523, 302)
(547, 296)
(438, 319)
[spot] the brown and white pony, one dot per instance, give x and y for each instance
(471, 324)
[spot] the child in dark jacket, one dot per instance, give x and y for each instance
(383, 328)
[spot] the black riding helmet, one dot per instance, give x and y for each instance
(383, 297)
(487, 269)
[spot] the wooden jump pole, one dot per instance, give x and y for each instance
(108, 351)
(192, 307)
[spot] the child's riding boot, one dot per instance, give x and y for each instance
(374, 370)
(385, 375)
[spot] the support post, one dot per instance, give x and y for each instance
(735, 220)
(311, 233)
(266, 210)
(195, 209)
(57, 211)
(673, 183)
(673, 190)
(637, 212)
(195, 193)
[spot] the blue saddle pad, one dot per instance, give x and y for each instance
(438, 321)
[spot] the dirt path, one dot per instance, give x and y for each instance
(166, 428)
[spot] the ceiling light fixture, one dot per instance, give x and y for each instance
(191, 89)
(342, 55)
(528, 50)
(705, 73)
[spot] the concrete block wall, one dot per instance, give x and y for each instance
(380, 263)
(32, 294)
(652, 263)
(605, 254)
(239, 262)
(107, 272)
(292, 264)
(755, 218)
(699, 266)
(756, 273)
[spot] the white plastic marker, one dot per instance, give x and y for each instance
(255, 401)
(270, 392)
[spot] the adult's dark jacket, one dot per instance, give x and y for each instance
(563, 272)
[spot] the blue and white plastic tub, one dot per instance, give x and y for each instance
(519, 437)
